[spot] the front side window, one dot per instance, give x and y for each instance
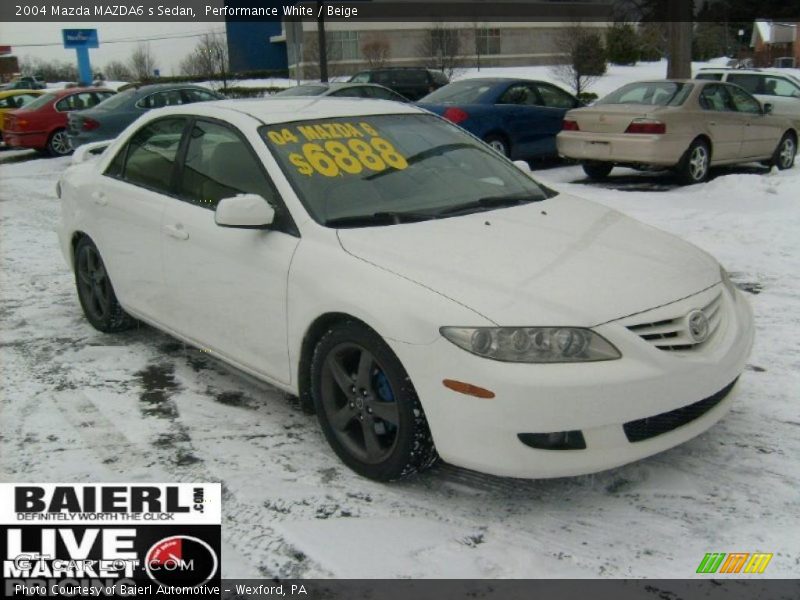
(219, 164)
(350, 92)
(778, 86)
(149, 159)
(360, 78)
(161, 99)
(744, 102)
(709, 76)
(360, 169)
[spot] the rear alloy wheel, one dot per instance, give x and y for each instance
(95, 292)
(59, 144)
(367, 406)
(784, 155)
(695, 164)
(597, 170)
(498, 144)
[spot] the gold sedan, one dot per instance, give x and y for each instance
(681, 124)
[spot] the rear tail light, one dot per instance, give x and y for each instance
(570, 125)
(456, 115)
(89, 124)
(649, 126)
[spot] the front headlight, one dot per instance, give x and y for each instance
(532, 344)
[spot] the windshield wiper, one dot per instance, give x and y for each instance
(379, 218)
(488, 203)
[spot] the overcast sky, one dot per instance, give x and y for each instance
(168, 52)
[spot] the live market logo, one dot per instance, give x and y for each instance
(131, 540)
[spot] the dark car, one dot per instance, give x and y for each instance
(25, 83)
(108, 119)
(519, 118)
(411, 82)
(344, 90)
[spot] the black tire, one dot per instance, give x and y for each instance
(95, 292)
(367, 406)
(59, 144)
(785, 152)
(695, 163)
(597, 170)
(499, 144)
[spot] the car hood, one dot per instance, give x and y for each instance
(562, 261)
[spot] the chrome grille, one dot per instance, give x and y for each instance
(673, 334)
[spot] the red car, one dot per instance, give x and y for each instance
(42, 124)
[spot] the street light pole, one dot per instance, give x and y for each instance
(323, 46)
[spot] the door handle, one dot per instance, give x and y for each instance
(712, 122)
(177, 231)
(99, 198)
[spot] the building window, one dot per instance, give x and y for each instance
(342, 45)
(487, 41)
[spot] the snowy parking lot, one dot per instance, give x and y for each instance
(80, 406)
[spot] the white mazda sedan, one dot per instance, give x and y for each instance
(425, 294)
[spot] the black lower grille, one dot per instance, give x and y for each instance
(650, 427)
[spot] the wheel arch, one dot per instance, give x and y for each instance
(707, 139)
(76, 237)
(313, 333)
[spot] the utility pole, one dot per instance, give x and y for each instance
(323, 46)
(681, 16)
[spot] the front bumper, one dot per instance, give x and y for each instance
(622, 148)
(597, 399)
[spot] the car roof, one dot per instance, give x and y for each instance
(286, 109)
(148, 88)
(73, 90)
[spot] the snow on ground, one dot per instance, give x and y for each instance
(77, 405)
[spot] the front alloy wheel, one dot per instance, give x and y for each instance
(367, 406)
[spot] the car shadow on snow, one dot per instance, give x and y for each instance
(663, 181)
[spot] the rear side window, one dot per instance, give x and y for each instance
(653, 93)
(520, 93)
(161, 99)
(76, 102)
(149, 157)
(191, 95)
(555, 98)
(411, 77)
(360, 78)
(716, 97)
(219, 164)
(350, 92)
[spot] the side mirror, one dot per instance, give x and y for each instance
(523, 166)
(245, 211)
(767, 108)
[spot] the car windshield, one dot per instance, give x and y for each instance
(117, 100)
(652, 93)
(41, 101)
(461, 92)
(304, 90)
(387, 169)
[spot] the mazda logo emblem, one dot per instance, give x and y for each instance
(698, 325)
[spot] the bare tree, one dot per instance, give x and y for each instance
(142, 62)
(376, 51)
(584, 54)
(312, 57)
(441, 49)
(117, 71)
(209, 58)
(49, 70)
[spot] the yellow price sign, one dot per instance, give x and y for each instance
(333, 149)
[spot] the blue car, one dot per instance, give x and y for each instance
(519, 118)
